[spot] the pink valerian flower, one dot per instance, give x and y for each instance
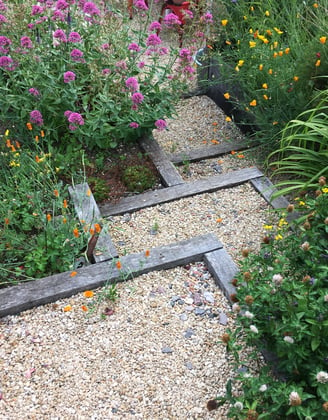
(34, 92)
(3, 7)
(132, 84)
(171, 19)
(134, 125)
(74, 118)
(26, 42)
(188, 70)
(163, 51)
(58, 15)
(62, 5)
(207, 18)
(7, 63)
(77, 55)
(37, 10)
(200, 34)
(185, 54)
(140, 4)
(155, 26)
(134, 47)
(90, 8)
(60, 35)
(105, 46)
(153, 40)
(137, 98)
(36, 117)
(74, 37)
(160, 125)
(105, 71)
(3, 19)
(4, 44)
(141, 64)
(69, 76)
(121, 65)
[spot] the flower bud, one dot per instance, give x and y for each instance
(245, 252)
(322, 181)
(294, 399)
(249, 299)
(318, 193)
(290, 208)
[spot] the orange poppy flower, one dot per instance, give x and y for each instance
(73, 274)
(88, 294)
(97, 227)
(84, 308)
(118, 265)
(147, 253)
(76, 232)
(67, 308)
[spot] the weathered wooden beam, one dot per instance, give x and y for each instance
(167, 171)
(206, 152)
(265, 187)
(151, 198)
(25, 296)
(87, 210)
(223, 270)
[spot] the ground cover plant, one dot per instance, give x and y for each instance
(274, 56)
(281, 307)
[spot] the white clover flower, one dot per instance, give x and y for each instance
(263, 388)
(322, 377)
(254, 329)
(294, 399)
(249, 315)
(239, 405)
(277, 279)
(289, 339)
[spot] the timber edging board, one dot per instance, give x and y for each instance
(151, 198)
(167, 171)
(25, 296)
(87, 210)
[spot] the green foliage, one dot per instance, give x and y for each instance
(38, 233)
(138, 178)
(282, 311)
(273, 56)
(99, 188)
(303, 151)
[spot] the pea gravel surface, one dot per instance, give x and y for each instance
(154, 353)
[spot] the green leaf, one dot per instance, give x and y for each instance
(315, 343)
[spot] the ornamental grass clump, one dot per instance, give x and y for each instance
(273, 56)
(82, 73)
(281, 308)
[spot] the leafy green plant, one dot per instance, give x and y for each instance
(138, 178)
(303, 151)
(82, 74)
(281, 307)
(271, 56)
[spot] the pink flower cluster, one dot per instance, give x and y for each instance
(36, 117)
(74, 118)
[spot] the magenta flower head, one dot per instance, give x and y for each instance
(7, 63)
(77, 55)
(58, 15)
(34, 92)
(171, 19)
(4, 44)
(155, 26)
(208, 18)
(37, 10)
(134, 47)
(105, 71)
(137, 98)
(134, 125)
(153, 40)
(69, 76)
(90, 8)
(36, 117)
(140, 4)
(160, 125)
(74, 118)
(3, 19)
(26, 42)
(74, 37)
(132, 83)
(62, 5)
(60, 35)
